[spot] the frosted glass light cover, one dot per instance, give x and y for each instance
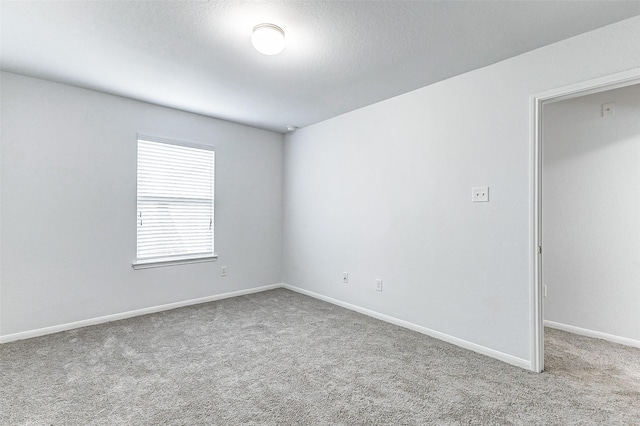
(268, 39)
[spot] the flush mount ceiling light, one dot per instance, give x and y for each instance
(268, 39)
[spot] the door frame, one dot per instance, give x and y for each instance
(537, 101)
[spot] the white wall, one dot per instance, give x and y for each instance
(69, 205)
(591, 213)
(385, 192)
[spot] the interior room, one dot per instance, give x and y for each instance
(383, 212)
(589, 262)
(590, 146)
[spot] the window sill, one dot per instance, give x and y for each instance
(171, 261)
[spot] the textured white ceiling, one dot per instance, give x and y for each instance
(340, 55)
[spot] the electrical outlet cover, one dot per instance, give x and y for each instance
(480, 194)
(608, 110)
(378, 285)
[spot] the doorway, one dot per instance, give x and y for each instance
(554, 100)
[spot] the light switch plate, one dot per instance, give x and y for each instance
(480, 194)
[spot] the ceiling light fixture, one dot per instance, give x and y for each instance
(292, 128)
(268, 39)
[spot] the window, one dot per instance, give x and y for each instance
(175, 203)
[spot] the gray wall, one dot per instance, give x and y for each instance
(384, 192)
(69, 205)
(591, 213)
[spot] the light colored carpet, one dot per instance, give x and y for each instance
(281, 358)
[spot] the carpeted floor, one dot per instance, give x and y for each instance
(281, 358)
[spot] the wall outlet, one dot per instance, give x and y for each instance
(480, 194)
(378, 285)
(608, 110)
(345, 277)
(223, 271)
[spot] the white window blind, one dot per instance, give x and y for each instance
(175, 200)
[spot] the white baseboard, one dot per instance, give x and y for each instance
(123, 315)
(509, 359)
(595, 334)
